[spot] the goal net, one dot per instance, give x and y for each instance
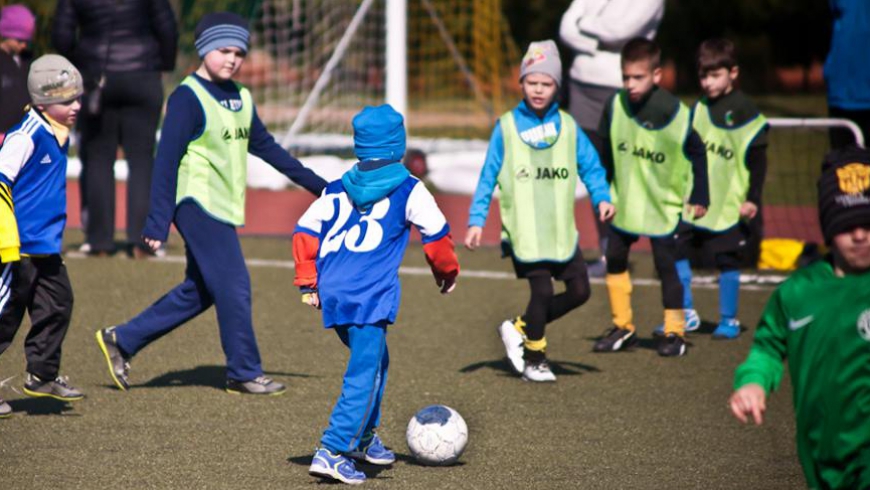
(314, 63)
(795, 153)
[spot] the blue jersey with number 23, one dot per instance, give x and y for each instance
(360, 251)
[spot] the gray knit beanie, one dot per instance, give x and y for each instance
(53, 80)
(221, 30)
(542, 57)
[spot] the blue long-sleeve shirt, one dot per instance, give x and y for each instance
(185, 122)
(588, 164)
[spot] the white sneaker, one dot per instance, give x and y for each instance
(5, 409)
(539, 372)
(513, 345)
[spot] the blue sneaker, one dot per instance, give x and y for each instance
(335, 466)
(373, 451)
(693, 322)
(727, 329)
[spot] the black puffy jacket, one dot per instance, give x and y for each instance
(140, 35)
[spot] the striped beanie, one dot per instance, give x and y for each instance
(221, 30)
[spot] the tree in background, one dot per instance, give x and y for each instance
(770, 34)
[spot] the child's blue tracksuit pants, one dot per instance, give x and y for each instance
(216, 274)
(358, 410)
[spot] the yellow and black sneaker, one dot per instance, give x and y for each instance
(59, 388)
(672, 345)
(260, 385)
(615, 339)
(5, 409)
(119, 367)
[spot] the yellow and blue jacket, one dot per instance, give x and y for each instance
(33, 162)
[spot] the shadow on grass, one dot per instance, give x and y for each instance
(706, 327)
(210, 376)
(648, 343)
(411, 460)
(42, 406)
(504, 368)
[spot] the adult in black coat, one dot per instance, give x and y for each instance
(121, 47)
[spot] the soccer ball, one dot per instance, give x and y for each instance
(437, 435)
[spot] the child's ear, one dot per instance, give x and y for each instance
(657, 75)
(734, 73)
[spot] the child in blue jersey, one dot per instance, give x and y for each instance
(33, 277)
(348, 247)
(199, 182)
(535, 155)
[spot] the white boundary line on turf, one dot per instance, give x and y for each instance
(704, 282)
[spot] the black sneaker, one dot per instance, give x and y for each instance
(119, 367)
(672, 345)
(615, 339)
(59, 388)
(5, 409)
(260, 385)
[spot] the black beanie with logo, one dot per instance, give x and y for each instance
(844, 191)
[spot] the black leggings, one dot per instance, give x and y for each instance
(545, 306)
(664, 256)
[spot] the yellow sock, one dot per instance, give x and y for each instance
(675, 322)
(536, 345)
(619, 290)
(520, 325)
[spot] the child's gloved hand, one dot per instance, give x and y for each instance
(310, 297)
(446, 283)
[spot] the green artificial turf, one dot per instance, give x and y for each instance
(624, 420)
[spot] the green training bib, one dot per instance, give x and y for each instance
(537, 193)
(214, 169)
(651, 172)
(727, 149)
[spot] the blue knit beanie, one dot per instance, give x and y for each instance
(379, 133)
(221, 30)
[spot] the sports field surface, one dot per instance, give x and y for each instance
(628, 420)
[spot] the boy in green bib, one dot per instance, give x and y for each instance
(199, 185)
(653, 159)
(535, 155)
(735, 135)
(819, 320)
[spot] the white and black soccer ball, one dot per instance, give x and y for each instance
(437, 435)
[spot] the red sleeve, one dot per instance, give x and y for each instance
(305, 249)
(442, 258)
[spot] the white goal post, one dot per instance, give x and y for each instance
(819, 122)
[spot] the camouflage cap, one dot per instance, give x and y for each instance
(53, 80)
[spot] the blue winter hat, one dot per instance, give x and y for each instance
(221, 30)
(379, 133)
